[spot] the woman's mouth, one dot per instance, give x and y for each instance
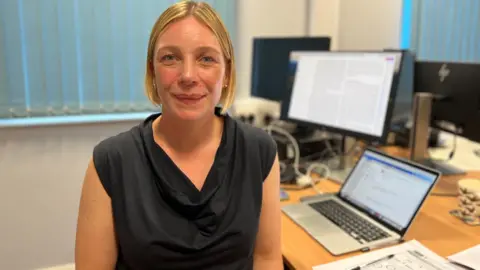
(189, 99)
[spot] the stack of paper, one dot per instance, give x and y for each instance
(469, 258)
(407, 256)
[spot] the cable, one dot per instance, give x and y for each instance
(454, 149)
(310, 169)
(296, 149)
(454, 145)
(303, 179)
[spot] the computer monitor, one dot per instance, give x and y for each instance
(456, 90)
(403, 105)
(270, 62)
(350, 93)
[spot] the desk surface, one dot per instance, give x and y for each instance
(434, 227)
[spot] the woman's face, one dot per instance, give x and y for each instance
(189, 69)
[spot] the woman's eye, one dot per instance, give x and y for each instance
(168, 57)
(207, 59)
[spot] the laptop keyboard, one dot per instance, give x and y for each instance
(359, 228)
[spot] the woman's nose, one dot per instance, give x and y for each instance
(188, 71)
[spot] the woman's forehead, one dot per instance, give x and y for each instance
(188, 33)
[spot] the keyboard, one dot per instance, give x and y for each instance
(359, 228)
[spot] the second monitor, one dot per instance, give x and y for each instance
(270, 58)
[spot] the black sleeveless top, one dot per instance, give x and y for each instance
(162, 221)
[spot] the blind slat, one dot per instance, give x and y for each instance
(4, 95)
(52, 68)
(67, 38)
(13, 85)
(33, 41)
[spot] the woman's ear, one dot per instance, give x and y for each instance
(226, 78)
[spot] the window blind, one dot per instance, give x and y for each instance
(444, 30)
(77, 57)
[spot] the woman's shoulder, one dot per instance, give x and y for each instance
(111, 154)
(124, 141)
(256, 135)
(118, 143)
(258, 143)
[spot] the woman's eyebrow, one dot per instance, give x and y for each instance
(207, 49)
(168, 48)
(175, 49)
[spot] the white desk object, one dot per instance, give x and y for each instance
(469, 257)
(402, 259)
(464, 158)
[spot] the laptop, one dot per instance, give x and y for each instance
(375, 206)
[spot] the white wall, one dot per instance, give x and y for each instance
(41, 169)
(325, 19)
(264, 18)
(41, 172)
(369, 24)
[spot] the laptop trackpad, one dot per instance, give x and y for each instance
(333, 238)
(317, 227)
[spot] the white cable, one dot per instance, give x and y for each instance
(304, 179)
(296, 149)
(310, 170)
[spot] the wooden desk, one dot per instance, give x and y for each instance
(434, 227)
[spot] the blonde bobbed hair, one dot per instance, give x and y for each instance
(205, 14)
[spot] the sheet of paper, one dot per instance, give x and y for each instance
(407, 256)
(469, 257)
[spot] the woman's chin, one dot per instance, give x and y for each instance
(190, 114)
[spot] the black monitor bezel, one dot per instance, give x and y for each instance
(327, 40)
(285, 103)
(401, 232)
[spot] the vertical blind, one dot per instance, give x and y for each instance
(445, 30)
(72, 57)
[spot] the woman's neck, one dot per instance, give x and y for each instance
(187, 136)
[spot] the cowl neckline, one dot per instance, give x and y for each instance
(179, 191)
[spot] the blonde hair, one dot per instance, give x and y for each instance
(208, 16)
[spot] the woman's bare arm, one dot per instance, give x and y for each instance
(268, 253)
(95, 246)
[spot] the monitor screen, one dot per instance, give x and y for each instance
(346, 91)
(270, 58)
(388, 189)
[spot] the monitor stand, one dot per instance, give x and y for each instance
(419, 134)
(345, 162)
(339, 175)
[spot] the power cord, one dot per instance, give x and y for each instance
(454, 149)
(303, 179)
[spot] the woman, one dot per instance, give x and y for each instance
(189, 188)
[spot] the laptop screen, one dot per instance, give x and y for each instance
(388, 189)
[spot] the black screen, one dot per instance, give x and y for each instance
(456, 88)
(271, 59)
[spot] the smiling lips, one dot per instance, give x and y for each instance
(189, 99)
